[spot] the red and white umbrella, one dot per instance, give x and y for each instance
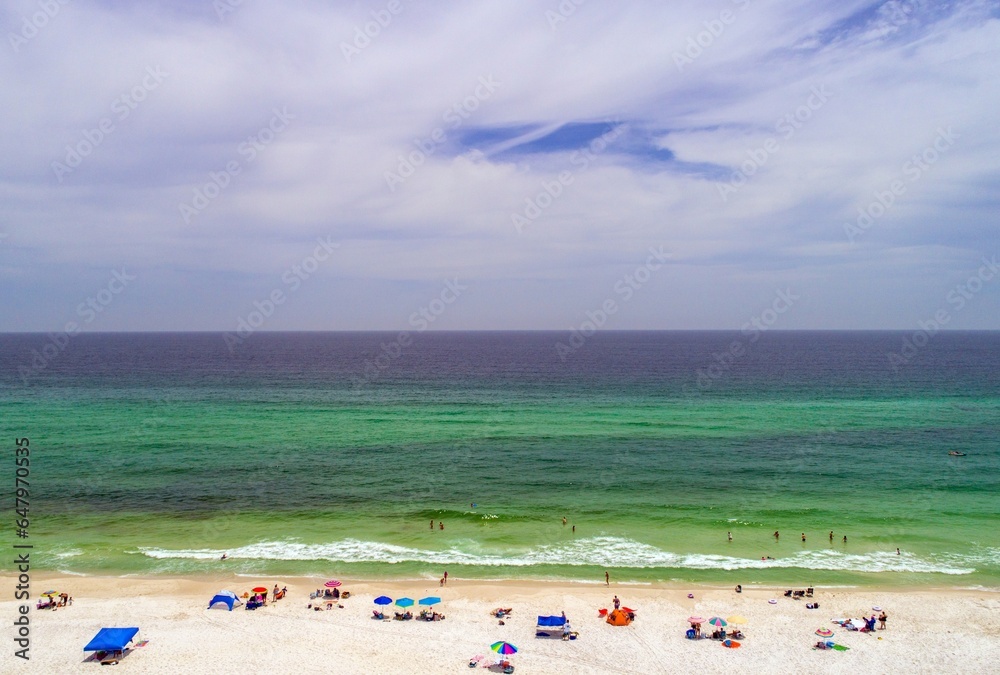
(332, 583)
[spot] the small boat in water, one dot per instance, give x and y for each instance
(956, 453)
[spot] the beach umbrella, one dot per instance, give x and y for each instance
(716, 621)
(383, 600)
(51, 593)
(332, 583)
(736, 618)
(503, 648)
(824, 632)
(260, 589)
(696, 619)
(432, 600)
(405, 602)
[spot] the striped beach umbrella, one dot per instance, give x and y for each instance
(504, 648)
(332, 583)
(824, 632)
(717, 621)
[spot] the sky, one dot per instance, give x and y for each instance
(397, 165)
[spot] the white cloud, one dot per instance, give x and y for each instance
(890, 91)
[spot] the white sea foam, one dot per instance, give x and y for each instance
(72, 553)
(597, 551)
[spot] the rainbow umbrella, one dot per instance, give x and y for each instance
(504, 648)
(332, 583)
(716, 621)
(824, 632)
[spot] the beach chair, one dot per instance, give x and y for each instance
(378, 615)
(809, 592)
(111, 659)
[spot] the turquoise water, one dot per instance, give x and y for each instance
(156, 454)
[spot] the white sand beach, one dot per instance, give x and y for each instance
(928, 631)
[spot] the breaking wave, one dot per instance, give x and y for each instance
(598, 551)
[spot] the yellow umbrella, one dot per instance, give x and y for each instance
(736, 618)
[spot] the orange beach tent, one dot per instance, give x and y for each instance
(618, 618)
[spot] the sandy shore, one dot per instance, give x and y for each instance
(928, 631)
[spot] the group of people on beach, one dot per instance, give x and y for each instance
(55, 601)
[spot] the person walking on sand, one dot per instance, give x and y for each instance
(882, 618)
(446, 576)
(617, 602)
(607, 578)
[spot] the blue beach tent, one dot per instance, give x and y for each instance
(111, 640)
(227, 600)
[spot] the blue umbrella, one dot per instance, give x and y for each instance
(433, 600)
(405, 602)
(383, 600)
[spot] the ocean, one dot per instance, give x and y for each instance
(339, 454)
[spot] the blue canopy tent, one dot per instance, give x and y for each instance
(551, 621)
(223, 600)
(111, 640)
(552, 627)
